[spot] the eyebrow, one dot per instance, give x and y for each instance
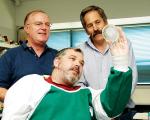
(76, 57)
(39, 22)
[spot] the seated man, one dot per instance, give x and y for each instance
(57, 97)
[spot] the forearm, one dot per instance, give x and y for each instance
(2, 93)
(117, 92)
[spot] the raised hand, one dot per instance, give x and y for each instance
(119, 47)
(119, 50)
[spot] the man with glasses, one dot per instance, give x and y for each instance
(32, 56)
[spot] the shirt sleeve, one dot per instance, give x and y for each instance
(111, 101)
(133, 66)
(23, 96)
(5, 70)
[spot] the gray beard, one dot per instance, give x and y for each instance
(72, 79)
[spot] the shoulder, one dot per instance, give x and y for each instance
(11, 53)
(29, 79)
(52, 51)
(84, 46)
(14, 50)
(29, 82)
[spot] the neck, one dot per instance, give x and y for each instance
(56, 77)
(100, 45)
(38, 48)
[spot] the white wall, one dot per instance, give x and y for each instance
(69, 10)
(7, 19)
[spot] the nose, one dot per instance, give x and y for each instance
(45, 26)
(77, 67)
(77, 63)
(95, 27)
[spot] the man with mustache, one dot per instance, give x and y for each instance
(32, 56)
(98, 60)
(57, 97)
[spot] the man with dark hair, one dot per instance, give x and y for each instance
(57, 97)
(98, 60)
(32, 56)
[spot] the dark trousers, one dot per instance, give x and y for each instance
(127, 114)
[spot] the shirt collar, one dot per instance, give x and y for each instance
(91, 45)
(25, 46)
(49, 80)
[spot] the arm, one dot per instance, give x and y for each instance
(132, 62)
(16, 105)
(111, 101)
(22, 98)
(5, 74)
(115, 96)
(2, 93)
(132, 65)
(117, 92)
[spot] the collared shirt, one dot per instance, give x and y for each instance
(22, 60)
(97, 66)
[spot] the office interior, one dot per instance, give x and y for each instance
(132, 15)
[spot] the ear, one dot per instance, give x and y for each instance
(26, 28)
(56, 62)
